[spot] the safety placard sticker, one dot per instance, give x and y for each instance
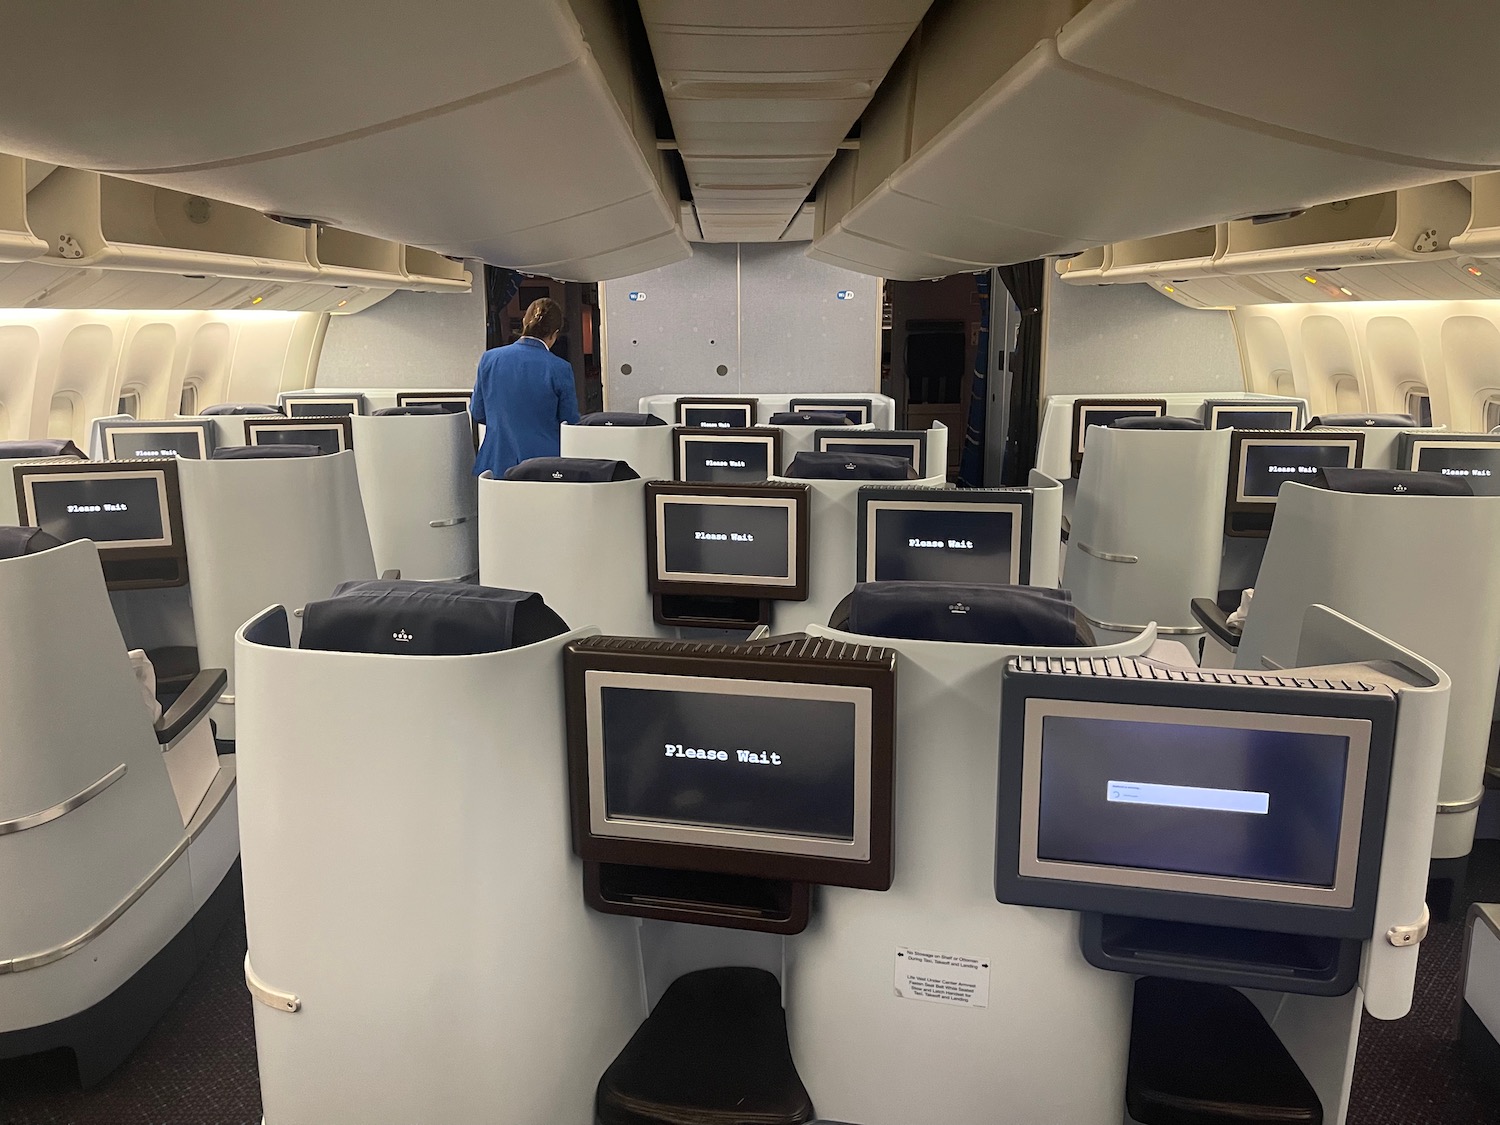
(942, 978)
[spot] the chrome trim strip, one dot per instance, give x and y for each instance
(227, 697)
(454, 522)
(270, 997)
(206, 820)
(1493, 771)
(1461, 806)
(1162, 630)
(73, 945)
(46, 816)
(1105, 556)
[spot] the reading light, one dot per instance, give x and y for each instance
(1346, 291)
(256, 300)
(1309, 278)
(1474, 271)
(1169, 288)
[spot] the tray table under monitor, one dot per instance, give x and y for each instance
(1474, 458)
(734, 456)
(1244, 414)
(712, 783)
(915, 533)
(1102, 411)
(716, 413)
(910, 444)
(131, 510)
(331, 435)
(166, 438)
(1197, 817)
(1261, 461)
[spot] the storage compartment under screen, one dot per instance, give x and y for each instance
(742, 902)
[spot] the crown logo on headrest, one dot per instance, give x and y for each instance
(1399, 488)
(958, 607)
(557, 476)
(1369, 421)
(401, 635)
(851, 466)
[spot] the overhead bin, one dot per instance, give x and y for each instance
(433, 273)
(1482, 237)
(1086, 265)
(17, 242)
(344, 257)
(1182, 255)
(463, 155)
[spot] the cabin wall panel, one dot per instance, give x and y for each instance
(410, 340)
(1115, 338)
(59, 370)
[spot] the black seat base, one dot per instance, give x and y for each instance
(1202, 1054)
(714, 1051)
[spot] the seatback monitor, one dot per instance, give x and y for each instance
(859, 411)
(1246, 799)
(1102, 411)
(716, 413)
(457, 400)
(1474, 458)
(171, 438)
(910, 444)
(331, 435)
(766, 762)
(321, 406)
(1252, 415)
(1261, 461)
(740, 540)
(917, 534)
(743, 456)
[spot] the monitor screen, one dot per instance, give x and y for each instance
(456, 400)
(858, 410)
(1252, 416)
(123, 441)
(125, 508)
(1102, 411)
(726, 456)
(716, 413)
(330, 435)
(733, 760)
(322, 406)
(910, 444)
(1474, 458)
(944, 535)
(728, 539)
(1261, 465)
(1235, 799)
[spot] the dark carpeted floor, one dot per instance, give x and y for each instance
(198, 1066)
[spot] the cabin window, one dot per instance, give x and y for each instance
(60, 417)
(1283, 384)
(1419, 406)
(1346, 398)
(1491, 414)
(130, 403)
(188, 405)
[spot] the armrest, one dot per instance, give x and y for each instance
(1067, 529)
(191, 705)
(1216, 621)
(390, 575)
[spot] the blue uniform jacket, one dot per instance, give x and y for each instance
(522, 397)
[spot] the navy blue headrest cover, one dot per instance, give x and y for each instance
(405, 618)
(577, 470)
(1393, 482)
(972, 614)
(619, 418)
(240, 408)
(811, 418)
(1165, 422)
(421, 409)
(18, 541)
(850, 466)
(28, 449)
(260, 452)
(1364, 421)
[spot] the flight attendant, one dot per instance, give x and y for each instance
(524, 394)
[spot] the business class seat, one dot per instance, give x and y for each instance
(869, 1055)
(1417, 568)
(264, 532)
(263, 452)
(1147, 527)
(816, 418)
(644, 445)
(962, 613)
(13, 453)
(582, 544)
(416, 476)
(238, 408)
(413, 907)
(117, 878)
(1479, 990)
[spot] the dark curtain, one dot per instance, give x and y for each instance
(971, 466)
(1024, 281)
(500, 286)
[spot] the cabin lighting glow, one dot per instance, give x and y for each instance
(1309, 278)
(1170, 288)
(256, 300)
(1346, 291)
(1474, 271)
(343, 303)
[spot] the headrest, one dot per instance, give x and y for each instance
(972, 614)
(574, 470)
(1363, 421)
(426, 619)
(1392, 482)
(31, 449)
(421, 409)
(1165, 422)
(257, 452)
(619, 418)
(240, 408)
(850, 466)
(811, 418)
(18, 541)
